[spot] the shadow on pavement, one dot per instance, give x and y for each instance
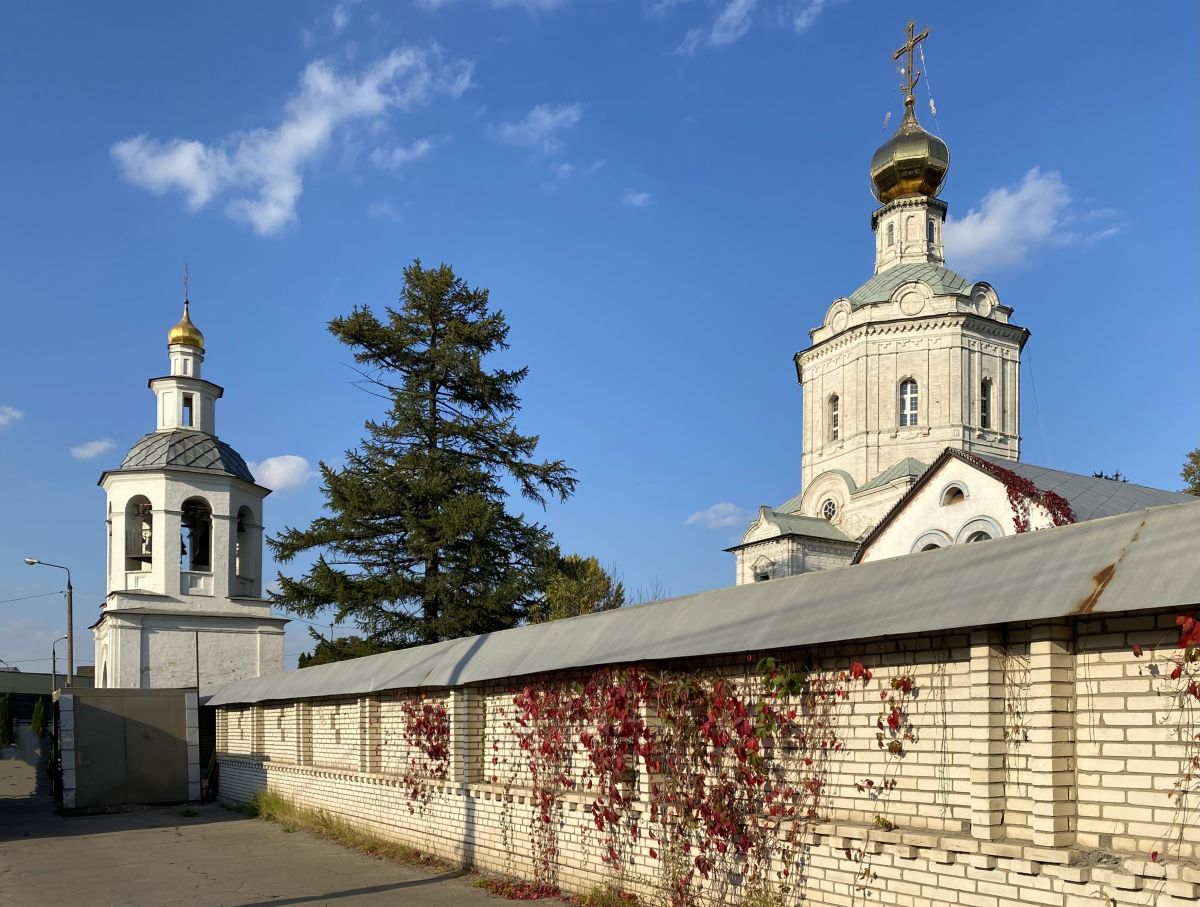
(354, 892)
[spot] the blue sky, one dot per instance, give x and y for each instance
(663, 197)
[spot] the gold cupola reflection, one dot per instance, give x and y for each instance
(912, 162)
(185, 332)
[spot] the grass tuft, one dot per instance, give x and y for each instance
(607, 896)
(272, 806)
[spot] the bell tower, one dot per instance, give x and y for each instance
(914, 361)
(184, 604)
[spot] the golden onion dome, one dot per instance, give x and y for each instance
(912, 162)
(185, 332)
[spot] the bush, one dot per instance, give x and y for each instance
(6, 720)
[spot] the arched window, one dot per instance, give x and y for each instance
(891, 233)
(929, 232)
(908, 402)
(139, 534)
(835, 418)
(979, 536)
(985, 403)
(954, 494)
(932, 546)
(247, 552)
(196, 530)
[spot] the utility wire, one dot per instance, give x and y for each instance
(25, 598)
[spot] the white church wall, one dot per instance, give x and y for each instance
(927, 520)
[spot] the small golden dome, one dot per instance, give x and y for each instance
(912, 162)
(185, 332)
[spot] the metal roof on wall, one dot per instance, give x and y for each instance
(1134, 561)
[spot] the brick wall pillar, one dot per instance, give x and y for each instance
(258, 722)
(1051, 724)
(368, 733)
(986, 708)
(303, 718)
(465, 709)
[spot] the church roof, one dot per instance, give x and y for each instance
(1033, 576)
(814, 527)
(908, 468)
(1091, 497)
(188, 450)
(940, 279)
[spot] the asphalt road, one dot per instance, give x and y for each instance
(158, 856)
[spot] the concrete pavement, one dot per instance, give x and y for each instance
(218, 858)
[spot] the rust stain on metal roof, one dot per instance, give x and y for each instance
(1104, 576)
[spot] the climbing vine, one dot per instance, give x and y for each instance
(1180, 688)
(426, 729)
(1021, 492)
(713, 777)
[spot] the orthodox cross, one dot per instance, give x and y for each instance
(185, 281)
(911, 76)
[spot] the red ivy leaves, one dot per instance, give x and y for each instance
(1021, 491)
(1189, 630)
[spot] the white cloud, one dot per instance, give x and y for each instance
(530, 6)
(732, 22)
(539, 129)
(395, 158)
(268, 164)
(90, 449)
(340, 17)
(633, 199)
(385, 211)
(1014, 221)
(718, 515)
(805, 13)
(735, 18)
(283, 473)
(9, 414)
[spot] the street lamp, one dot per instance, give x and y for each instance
(54, 663)
(33, 562)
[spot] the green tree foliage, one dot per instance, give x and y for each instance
(6, 720)
(417, 544)
(38, 721)
(579, 585)
(1191, 472)
(330, 650)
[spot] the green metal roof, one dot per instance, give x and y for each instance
(941, 280)
(811, 526)
(907, 468)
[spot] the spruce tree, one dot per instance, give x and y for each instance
(417, 544)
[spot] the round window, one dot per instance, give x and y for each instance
(829, 509)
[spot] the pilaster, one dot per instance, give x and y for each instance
(986, 708)
(1051, 744)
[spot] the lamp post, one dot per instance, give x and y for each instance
(54, 663)
(33, 562)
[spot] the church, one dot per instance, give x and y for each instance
(184, 604)
(911, 391)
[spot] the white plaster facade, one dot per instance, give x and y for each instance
(184, 604)
(915, 361)
(958, 505)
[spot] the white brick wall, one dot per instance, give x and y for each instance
(1064, 811)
